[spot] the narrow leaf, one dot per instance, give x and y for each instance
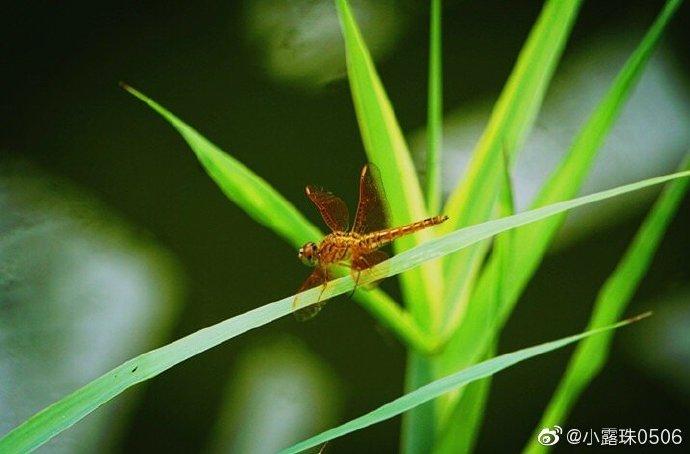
(461, 422)
(264, 204)
(386, 147)
(473, 199)
(472, 337)
(590, 356)
(418, 425)
(248, 190)
(434, 124)
(567, 180)
(458, 433)
(446, 384)
(64, 413)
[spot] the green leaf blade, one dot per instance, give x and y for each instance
(569, 177)
(473, 199)
(471, 337)
(461, 422)
(590, 356)
(444, 385)
(381, 134)
(386, 147)
(249, 191)
(265, 205)
(434, 128)
(459, 432)
(67, 411)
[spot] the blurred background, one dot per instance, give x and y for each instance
(113, 240)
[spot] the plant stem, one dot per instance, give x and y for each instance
(434, 130)
(398, 320)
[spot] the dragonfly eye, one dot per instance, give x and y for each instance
(307, 254)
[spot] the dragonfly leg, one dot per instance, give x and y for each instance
(356, 279)
(362, 264)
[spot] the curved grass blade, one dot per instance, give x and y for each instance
(381, 134)
(447, 384)
(472, 337)
(590, 356)
(569, 177)
(67, 411)
(264, 204)
(245, 188)
(460, 428)
(473, 200)
(434, 123)
(386, 147)
(417, 432)
(458, 434)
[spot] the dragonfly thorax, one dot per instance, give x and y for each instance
(355, 245)
(337, 247)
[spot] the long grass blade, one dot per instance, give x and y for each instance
(444, 385)
(459, 431)
(419, 424)
(434, 123)
(67, 411)
(473, 199)
(386, 147)
(460, 423)
(417, 429)
(264, 204)
(381, 134)
(245, 188)
(569, 177)
(472, 337)
(590, 356)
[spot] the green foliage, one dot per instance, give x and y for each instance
(249, 191)
(67, 411)
(590, 356)
(455, 301)
(479, 327)
(434, 125)
(386, 147)
(473, 199)
(444, 385)
(469, 408)
(264, 204)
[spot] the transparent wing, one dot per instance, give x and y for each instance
(372, 208)
(333, 210)
(315, 279)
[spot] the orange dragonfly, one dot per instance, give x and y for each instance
(358, 247)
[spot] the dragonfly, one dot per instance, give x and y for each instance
(357, 247)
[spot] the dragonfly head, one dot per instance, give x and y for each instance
(308, 254)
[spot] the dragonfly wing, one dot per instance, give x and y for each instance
(333, 210)
(372, 208)
(361, 265)
(318, 278)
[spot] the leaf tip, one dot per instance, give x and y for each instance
(131, 90)
(637, 318)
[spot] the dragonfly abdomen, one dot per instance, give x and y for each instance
(382, 237)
